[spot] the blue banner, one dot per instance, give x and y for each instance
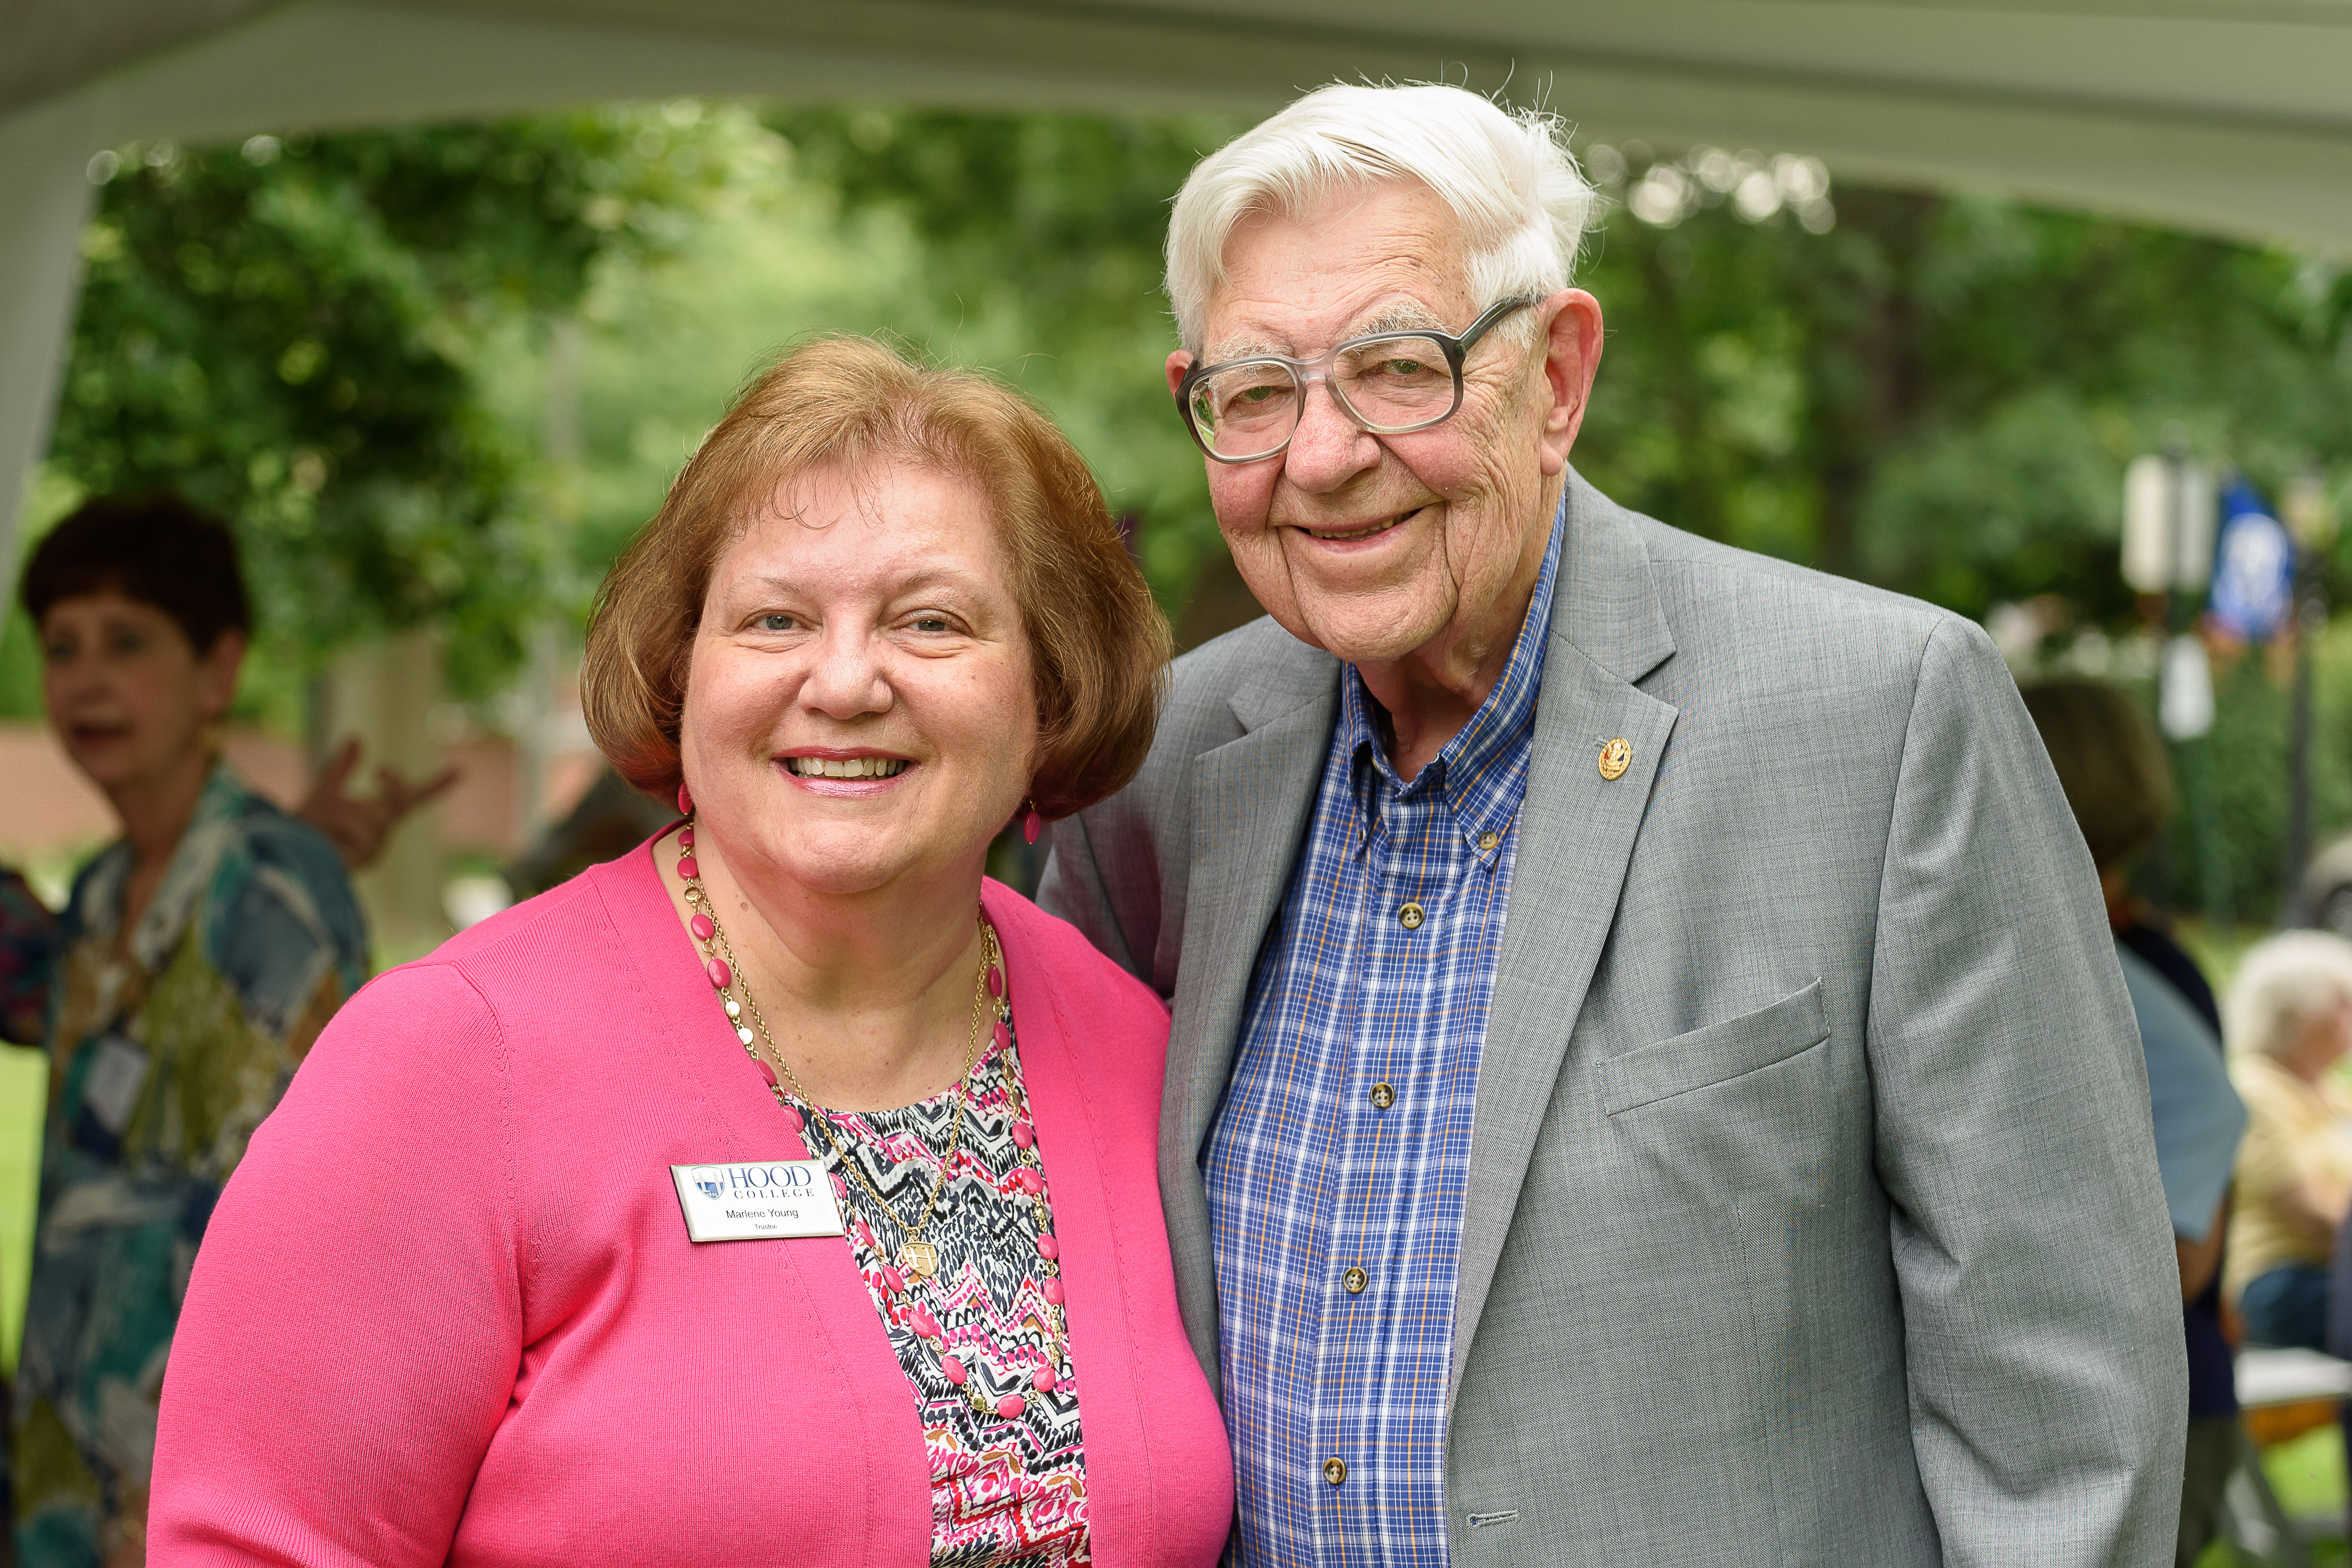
(2253, 567)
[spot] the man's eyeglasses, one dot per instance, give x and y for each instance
(1390, 382)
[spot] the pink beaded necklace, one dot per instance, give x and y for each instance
(918, 1259)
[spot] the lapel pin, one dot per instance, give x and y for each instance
(1615, 758)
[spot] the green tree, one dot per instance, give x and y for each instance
(336, 340)
(1050, 227)
(287, 332)
(1939, 394)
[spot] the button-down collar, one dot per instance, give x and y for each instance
(1471, 769)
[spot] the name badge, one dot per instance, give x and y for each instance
(758, 1201)
(118, 1071)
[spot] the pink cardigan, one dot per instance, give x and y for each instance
(446, 1309)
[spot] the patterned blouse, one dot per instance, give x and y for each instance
(168, 1044)
(1005, 1492)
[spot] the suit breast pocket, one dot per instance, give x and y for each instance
(1715, 1054)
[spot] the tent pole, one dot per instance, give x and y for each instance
(46, 197)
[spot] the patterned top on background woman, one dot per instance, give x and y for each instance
(28, 935)
(168, 1044)
(1005, 1492)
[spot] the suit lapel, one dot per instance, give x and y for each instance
(1577, 831)
(1251, 801)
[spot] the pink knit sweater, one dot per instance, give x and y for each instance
(448, 1310)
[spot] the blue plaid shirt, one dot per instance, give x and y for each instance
(1340, 1161)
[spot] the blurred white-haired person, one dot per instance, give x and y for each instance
(1649, 1078)
(2288, 1019)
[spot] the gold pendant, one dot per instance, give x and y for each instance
(919, 1258)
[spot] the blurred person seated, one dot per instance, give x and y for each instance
(2119, 785)
(197, 958)
(2288, 1019)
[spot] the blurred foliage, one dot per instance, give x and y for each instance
(2233, 781)
(1048, 229)
(287, 332)
(1940, 394)
(349, 343)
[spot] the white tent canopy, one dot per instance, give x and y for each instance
(2230, 116)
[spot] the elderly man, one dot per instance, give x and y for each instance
(1650, 1082)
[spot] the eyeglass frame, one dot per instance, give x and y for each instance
(1456, 348)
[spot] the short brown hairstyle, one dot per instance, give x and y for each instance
(1097, 643)
(155, 548)
(2109, 762)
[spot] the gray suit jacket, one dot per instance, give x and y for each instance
(1813, 1209)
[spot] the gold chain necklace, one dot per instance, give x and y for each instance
(1002, 1393)
(724, 972)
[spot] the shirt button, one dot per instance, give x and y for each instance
(1382, 1096)
(1354, 1280)
(1488, 840)
(1410, 915)
(1335, 1469)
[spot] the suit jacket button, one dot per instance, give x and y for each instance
(1410, 915)
(1335, 1469)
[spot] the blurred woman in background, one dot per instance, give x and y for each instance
(2289, 1022)
(196, 959)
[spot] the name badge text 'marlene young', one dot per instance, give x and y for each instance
(758, 1201)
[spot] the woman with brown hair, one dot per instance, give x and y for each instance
(782, 1191)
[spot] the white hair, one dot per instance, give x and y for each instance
(1507, 177)
(2282, 982)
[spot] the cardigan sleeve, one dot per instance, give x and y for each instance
(355, 1319)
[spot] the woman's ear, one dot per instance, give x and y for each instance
(217, 674)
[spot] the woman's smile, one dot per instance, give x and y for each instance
(856, 775)
(845, 766)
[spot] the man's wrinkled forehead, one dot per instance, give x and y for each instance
(1406, 315)
(1361, 263)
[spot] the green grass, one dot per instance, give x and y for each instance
(2308, 1473)
(2308, 1476)
(23, 1092)
(2324, 1554)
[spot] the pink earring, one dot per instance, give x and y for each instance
(685, 801)
(1032, 823)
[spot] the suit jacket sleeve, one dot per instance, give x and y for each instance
(1072, 886)
(2048, 1380)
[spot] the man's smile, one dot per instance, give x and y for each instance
(1355, 533)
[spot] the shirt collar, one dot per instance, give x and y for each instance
(186, 878)
(1470, 770)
